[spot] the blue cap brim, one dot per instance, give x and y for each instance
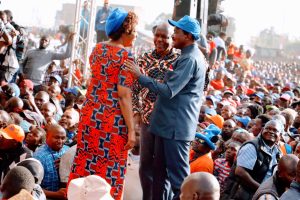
(178, 25)
(208, 142)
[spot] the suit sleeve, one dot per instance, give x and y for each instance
(176, 80)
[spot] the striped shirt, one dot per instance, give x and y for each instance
(221, 171)
(247, 157)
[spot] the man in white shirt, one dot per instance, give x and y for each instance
(220, 44)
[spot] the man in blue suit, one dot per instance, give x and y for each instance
(176, 111)
(100, 21)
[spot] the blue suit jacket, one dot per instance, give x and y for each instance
(177, 108)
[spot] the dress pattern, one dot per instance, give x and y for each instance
(102, 133)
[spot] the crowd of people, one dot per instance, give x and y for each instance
(193, 118)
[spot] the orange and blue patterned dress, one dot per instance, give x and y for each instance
(102, 132)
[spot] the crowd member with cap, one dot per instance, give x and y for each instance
(108, 100)
(211, 101)
(55, 80)
(173, 126)
(203, 144)
(36, 61)
(155, 64)
(49, 155)
(54, 72)
(294, 191)
(276, 185)
(26, 86)
(17, 179)
(37, 170)
(54, 93)
(74, 97)
(258, 97)
(242, 122)
(256, 160)
(285, 101)
(222, 166)
(12, 150)
(214, 119)
(200, 185)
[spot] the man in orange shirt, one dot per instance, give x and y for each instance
(200, 155)
(230, 48)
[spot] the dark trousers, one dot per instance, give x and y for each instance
(146, 161)
(101, 36)
(171, 166)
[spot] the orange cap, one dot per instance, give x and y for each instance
(13, 132)
(217, 120)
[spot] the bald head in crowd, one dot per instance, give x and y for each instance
(200, 185)
(14, 104)
(5, 119)
(287, 168)
(48, 110)
(17, 178)
(69, 119)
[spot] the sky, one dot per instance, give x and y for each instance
(251, 16)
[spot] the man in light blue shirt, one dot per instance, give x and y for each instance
(257, 158)
(175, 115)
(49, 155)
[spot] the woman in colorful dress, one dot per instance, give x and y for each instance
(106, 128)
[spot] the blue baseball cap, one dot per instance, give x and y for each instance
(210, 111)
(244, 120)
(75, 90)
(210, 135)
(58, 78)
(188, 24)
(115, 20)
(11, 89)
(260, 95)
(213, 100)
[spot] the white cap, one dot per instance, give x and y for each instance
(89, 188)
